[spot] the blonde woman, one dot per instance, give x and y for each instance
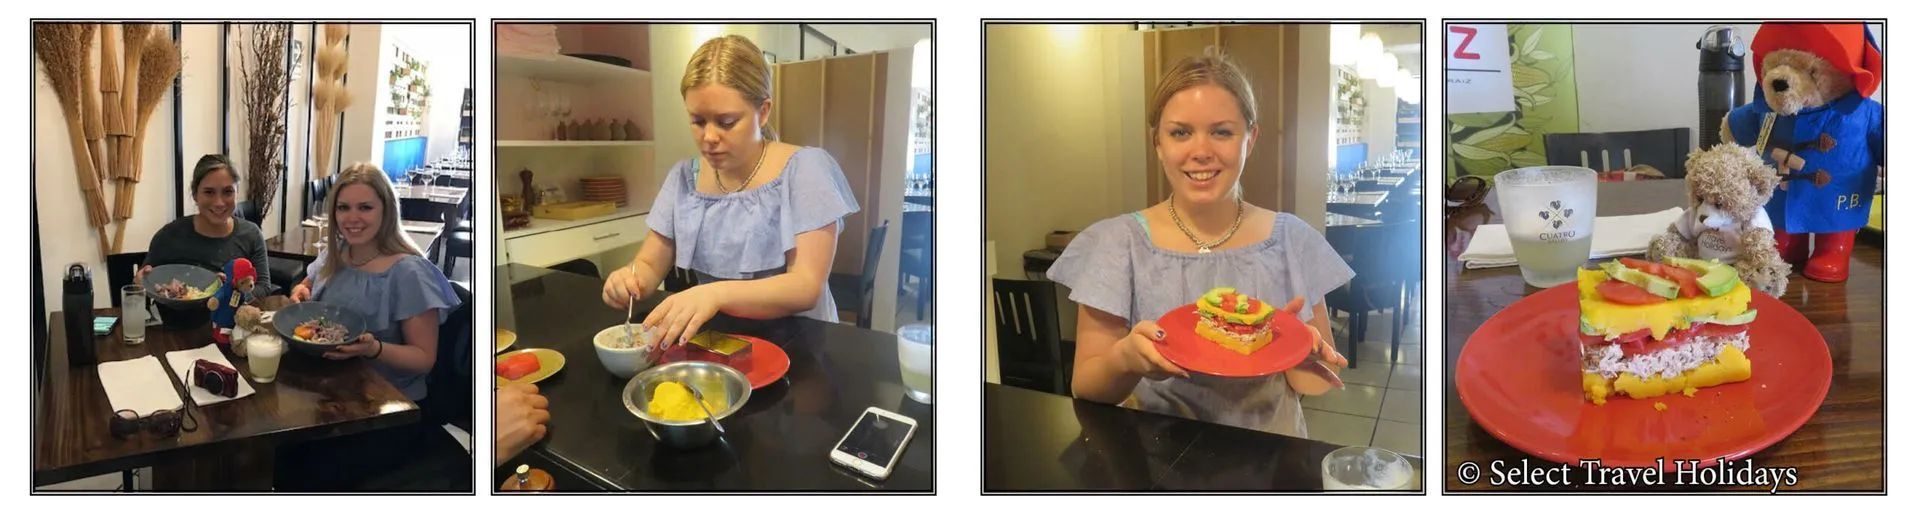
(755, 219)
(1128, 270)
(371, 268)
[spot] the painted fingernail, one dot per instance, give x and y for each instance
(1159, 334)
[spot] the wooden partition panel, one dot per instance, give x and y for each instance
(1260, 52)
(837, 104)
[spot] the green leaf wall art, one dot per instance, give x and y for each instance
(1544, 93)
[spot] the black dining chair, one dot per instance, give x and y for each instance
(856, 292)
(916, 256)
(250, 211)
(1663, 149)
(1027, 323)
(679, 279)
(1384, 258)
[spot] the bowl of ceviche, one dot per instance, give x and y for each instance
(313, 327)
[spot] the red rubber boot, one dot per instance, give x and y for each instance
(1793, 248)
(1832, 252)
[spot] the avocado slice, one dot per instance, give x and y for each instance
(1742, 319)
(1715, 278)
(1656, 285)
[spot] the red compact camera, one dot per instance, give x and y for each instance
(216, 378)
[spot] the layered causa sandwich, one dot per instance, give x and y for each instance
(1650, 329)
(1235, 321)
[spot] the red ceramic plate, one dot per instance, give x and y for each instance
(1185, 348)
(1519, 378)
(763, 366)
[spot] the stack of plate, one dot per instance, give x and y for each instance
(605, 189)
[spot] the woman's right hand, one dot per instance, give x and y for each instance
(521, 417)
(1139, 354)
(140, 275)
(621, 288)
(301, 292)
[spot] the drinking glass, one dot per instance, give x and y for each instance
(915, 346)
(1548, 211)
(133, 314)
(1359, 467)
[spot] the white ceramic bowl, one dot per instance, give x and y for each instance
(623, 362)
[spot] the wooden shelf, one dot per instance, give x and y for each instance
(526, 143)
(567, 69)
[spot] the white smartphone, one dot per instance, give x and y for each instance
(875, 443)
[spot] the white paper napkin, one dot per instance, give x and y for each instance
(182, 363)
(139, 385)
(1613, 236)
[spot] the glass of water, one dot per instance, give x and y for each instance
(133, 314)
(916, 361)
(1548, 211)
(1358, 467)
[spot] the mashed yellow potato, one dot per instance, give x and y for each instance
(673, 402)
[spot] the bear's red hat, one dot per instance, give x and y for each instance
(1848, 46)
(242, 269)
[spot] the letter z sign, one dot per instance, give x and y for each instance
(1479, 74)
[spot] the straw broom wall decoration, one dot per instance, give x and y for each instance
(159, 65)
(62, 49)
(133, 37)
(263, 74)
(330, 96)
(115, 121)
(90, 108)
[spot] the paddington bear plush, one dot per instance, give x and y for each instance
(1726, 218)
(1825, 138)
(235, 291)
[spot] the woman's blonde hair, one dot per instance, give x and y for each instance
(388, 238)
(734, 62)
(1211, 67)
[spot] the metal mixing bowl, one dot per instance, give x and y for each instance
(713, 380)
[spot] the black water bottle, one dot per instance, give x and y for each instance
(1723, 79)
(77, 307)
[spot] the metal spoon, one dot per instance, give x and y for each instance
(702, 400)
(628, 325)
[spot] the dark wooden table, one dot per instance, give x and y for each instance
(1038, 441)
(778, 442)
(310, 398)
(1840, 449)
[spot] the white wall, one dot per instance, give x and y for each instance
(1641, 77)
(1382, 104)
(64, 236)
(1313, 110)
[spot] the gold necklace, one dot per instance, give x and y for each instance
(749, 180)
(350, 262)
(1239, 212)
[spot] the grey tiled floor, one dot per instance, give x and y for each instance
(1381, 404)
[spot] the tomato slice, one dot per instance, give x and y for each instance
(1626, 294)
(1688, 280)
(1647, 266)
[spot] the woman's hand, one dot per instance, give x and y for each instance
(520, 419)
(1138, 353)
(301, 292)
(681, 314)
(622, 286)
(1323, 359)
(364, 346)
(140, 275)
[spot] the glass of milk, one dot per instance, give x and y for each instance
(263, 356)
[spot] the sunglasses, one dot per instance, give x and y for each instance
(1466, 191)
(163, 423)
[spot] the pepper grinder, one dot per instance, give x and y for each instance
(527, 195)
(528, 480)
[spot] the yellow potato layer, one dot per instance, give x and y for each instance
(1616, 319)
(1728, 367)
(1224, 339)
(673, 402)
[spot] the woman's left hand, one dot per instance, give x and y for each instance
(364, 346)
(1323, 359)
(680, 315)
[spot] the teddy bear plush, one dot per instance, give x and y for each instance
(1726, 219)
(1813, 121)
